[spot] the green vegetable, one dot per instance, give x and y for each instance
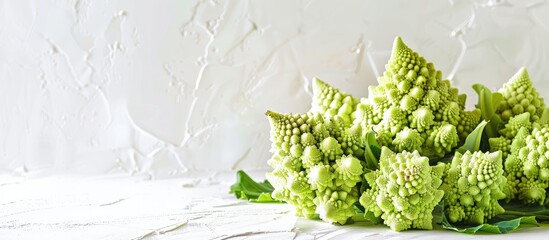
(519, 96)
(527, 166)
(509, 132)
(473, 141)
(313, 164)
(248, 189)
(522, 140)
(472, 187)
(379, 149)
(330, 102)
(404, 190)
(515, 105)
(499, 227)
(413, 108)
(488, 102)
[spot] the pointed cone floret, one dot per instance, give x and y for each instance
(319, 86)
(403, 191)
(414, 86)
(399, 47)
(274, 116)
(330, 102)
(521, 76)
(520, 79)
(480, 181)
(519, 96)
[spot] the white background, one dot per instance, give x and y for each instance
(169, 88)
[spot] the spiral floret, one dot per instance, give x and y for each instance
(473, 185)
(416, 99)
(314, 167)
(404, 190)
(527, 166)
(520, 96)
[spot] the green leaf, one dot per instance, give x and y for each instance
(372, 151)
(473, 140)
(358, 208)
(488, 103)
(516, 209)
(265, 198)
(504, 226)
(246, 188)
(372, 218)
(498, 227)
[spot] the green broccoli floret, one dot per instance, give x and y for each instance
(442, 139)
(404, 190)
(515, 123)
(412, 101)
(364, 115)
(336, 190)
(527, 166)
(313, 166)
(408, 139)
(290, 134)
(473, 186)
(469, 120)
(501, 144)
(331, 102)
(350, 137)
(509, 132)
(524, 147)
(519, 96)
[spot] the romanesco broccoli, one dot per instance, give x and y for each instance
(519, 96)
(404, 190)
(523, 140)
(288, 176)
(323, 159)
(312, 169)
(412, 108)
(527, 166)
(503, 143)
(473, 186)
(330, 102)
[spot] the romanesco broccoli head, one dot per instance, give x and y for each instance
(515, 123)
(403, 190)
(336, 189)
(330, 102)
(527, 166)
(336, 206)
(517, 127)
(412, 100)
(314, 167)
(519, 96)
(294, 147)
(473, 186)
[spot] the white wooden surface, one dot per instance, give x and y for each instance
(138, 208)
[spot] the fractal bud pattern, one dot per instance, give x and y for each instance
(395, 155)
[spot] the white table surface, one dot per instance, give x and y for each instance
(112, 207)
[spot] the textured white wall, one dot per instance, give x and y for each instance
(174, 87)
